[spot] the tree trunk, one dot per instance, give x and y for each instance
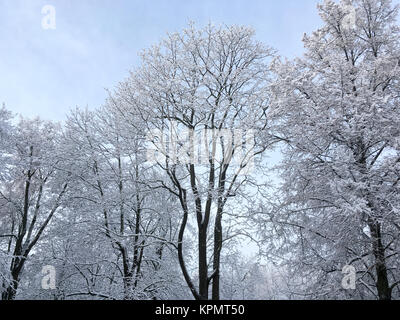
(382, 282)
(182, 198)
(217, 255)
(203, 269)
(128, 286)
(11, 290)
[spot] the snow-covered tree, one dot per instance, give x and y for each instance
(205, 85)
(338, 109)
(6, 129)
(128, 227)
(32, 189)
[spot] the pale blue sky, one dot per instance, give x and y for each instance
(96, 42)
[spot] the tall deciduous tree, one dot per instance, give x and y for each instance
(209, 83)
(338, 108)
(130, 223)
(32, 188)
